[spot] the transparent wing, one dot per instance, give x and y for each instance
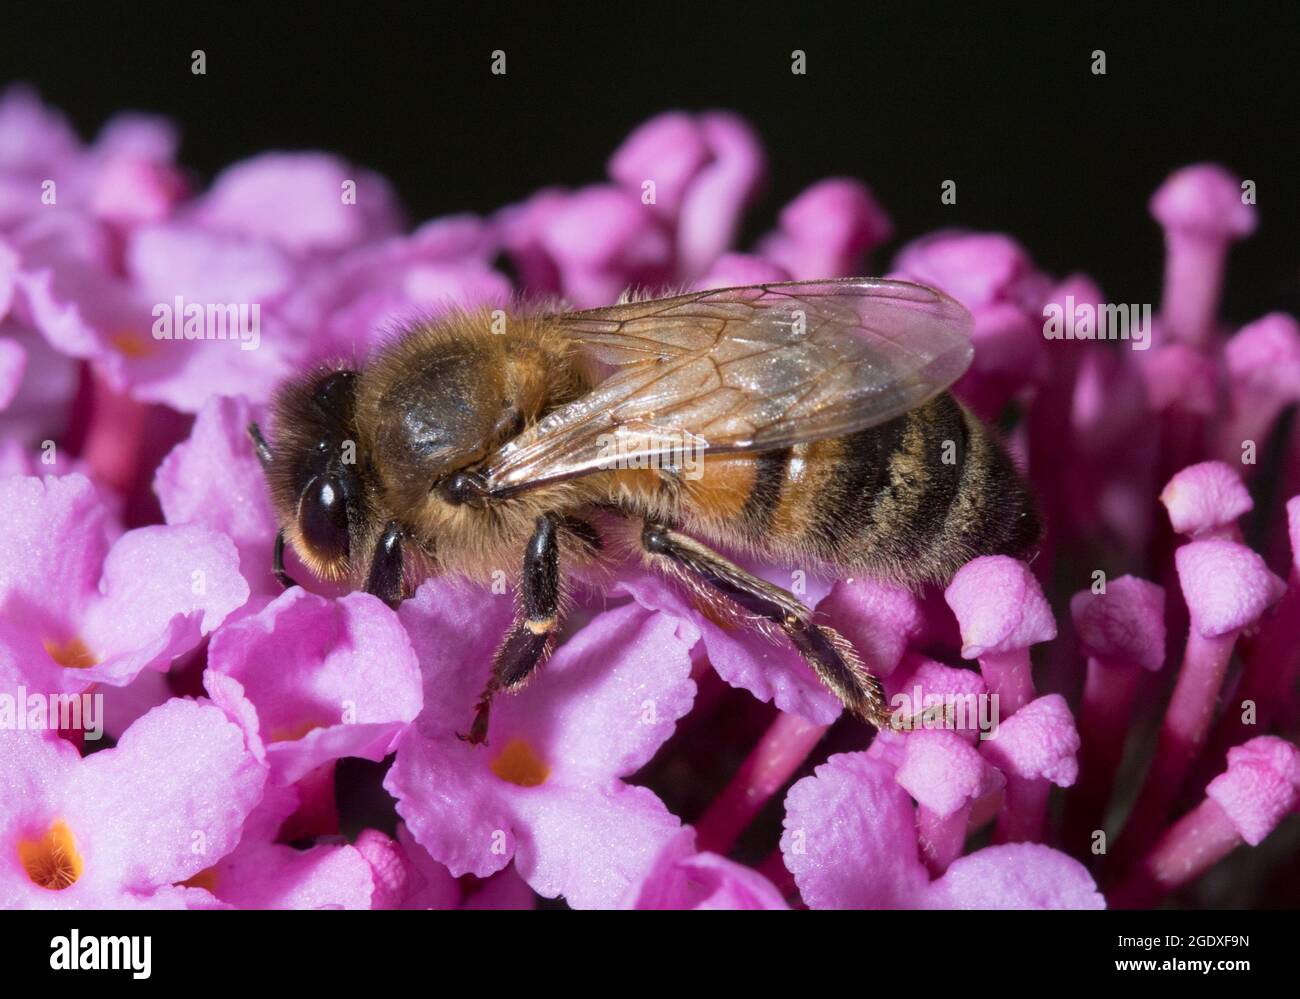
(743, 369)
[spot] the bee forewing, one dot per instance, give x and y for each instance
(744, 369)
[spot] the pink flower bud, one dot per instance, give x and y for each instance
(1039, 740)
(1126, 624)
(1204, 200)
(669, 150)
(999, 605)
(1202, 210)
(943, 771)
(828, 230)
(1180, 377)
(1206, 498)
(1260, 786)
(1226, 585)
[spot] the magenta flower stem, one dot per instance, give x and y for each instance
(1010, 677)
(941, 838)
(1268, 677)
(1109, 692)
(116, 431)
(1193, 284)
(770, 764)
(1024, 810)
(1182, 736)
(1190, 847)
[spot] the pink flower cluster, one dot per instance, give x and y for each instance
(135, 554)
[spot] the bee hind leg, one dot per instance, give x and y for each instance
(831, 656)
(531, 637)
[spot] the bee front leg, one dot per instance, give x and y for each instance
(530, 638)
(263, 450)
(385, 577)
(277, 563)
(831, 656)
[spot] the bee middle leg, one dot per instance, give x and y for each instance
(831, 656)
(531, 637)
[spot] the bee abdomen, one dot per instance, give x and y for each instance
(993, 512)
(912, 499)
(888, 491)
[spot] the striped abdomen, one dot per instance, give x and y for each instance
(912, 499)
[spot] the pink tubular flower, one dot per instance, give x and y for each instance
(346, 682)
(850, 842)
(667, 151)
(1034, 748)
(213, 479)
(302, 202)
(122, 828)
(86, 311)
(714, 201)
(1242, 805)
(545, 790)
(994, 278)
(945, 774)
(1201, 210)
(771, 763)
(1227, 587)
(351, 302)
(681, 878)
(77, 608)
(195, 306)
(604, 240)
(1263, 361)
(768, 670)
(1002, 613)
(1205, 500)
(1268, 680)
(880, 619)
(127, 176)
(263, 874)
(1122, 632)
(828, 230)
(681, 184)
(406, 877)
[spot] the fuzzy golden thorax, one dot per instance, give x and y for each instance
(436, 399)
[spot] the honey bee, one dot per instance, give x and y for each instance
(817, 410)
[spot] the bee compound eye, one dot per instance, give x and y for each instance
(323, 517)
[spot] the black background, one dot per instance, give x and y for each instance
(1001, 99)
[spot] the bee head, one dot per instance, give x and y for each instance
(313, 472)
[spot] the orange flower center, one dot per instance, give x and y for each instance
(292, 733)
(519, 764)
(206, 878)
(131, 345)
(74, 653)
(52, 861)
